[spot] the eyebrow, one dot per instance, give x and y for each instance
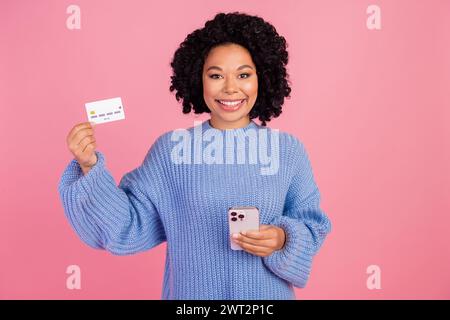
(240, 68)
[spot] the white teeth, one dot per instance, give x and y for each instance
(229, 103)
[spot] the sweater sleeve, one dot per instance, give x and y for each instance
(121, 219)
(304, 223)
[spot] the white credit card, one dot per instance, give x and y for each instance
(105, 110)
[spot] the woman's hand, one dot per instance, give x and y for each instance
(261, 243)
(81, 142)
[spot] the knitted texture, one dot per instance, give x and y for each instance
(183, 196)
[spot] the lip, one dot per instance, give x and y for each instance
(231, 108)
(230, 100)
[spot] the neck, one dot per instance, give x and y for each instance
(222, 125)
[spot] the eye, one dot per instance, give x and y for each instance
(213, 76)
(245, 74)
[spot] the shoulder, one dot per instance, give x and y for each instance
(292, 149)
(291, 140)
(164, 139)
(164, 143)
(159, 148)
(287, 141)
(169, 137)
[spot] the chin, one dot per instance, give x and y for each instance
(231, 117)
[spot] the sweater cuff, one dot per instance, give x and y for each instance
(293, 261)
(74, 177)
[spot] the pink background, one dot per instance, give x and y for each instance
(372, 108)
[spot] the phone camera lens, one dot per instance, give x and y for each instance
(241, 216)
(233, 214)
(233, 219)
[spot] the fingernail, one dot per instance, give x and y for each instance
(235, 236)
(244, 233)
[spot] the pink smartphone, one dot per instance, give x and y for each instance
(242, 219)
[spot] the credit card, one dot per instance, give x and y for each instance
(103, 111)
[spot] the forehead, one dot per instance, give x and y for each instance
(229, 55)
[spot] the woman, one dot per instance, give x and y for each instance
(234, 69)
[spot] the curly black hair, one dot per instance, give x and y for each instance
(260, 38)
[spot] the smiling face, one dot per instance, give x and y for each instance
(230, 86)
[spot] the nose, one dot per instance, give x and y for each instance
(230, 86)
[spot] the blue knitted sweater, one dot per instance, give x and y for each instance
(181, 194)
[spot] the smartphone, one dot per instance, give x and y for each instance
(242, 219)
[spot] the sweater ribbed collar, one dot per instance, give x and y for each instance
(252, 125)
